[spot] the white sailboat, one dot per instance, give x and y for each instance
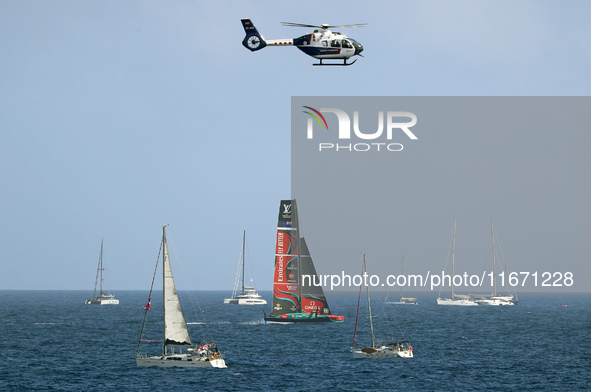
(456, 299)
(248, 295)
(176, 335)
(379, 348)
(403, 300)
(102, 298)
(494, 299)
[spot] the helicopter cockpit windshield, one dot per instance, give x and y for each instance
(358, 47)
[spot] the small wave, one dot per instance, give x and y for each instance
(258, 322)
(195, 323)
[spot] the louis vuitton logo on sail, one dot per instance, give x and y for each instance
(287, 209)
(394, 121)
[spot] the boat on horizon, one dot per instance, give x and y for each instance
(296, 300)
(176, 335)
(379, 348)
(456, 299)
(248, 294)
(403, 300)
(494, 299)
(102, 298)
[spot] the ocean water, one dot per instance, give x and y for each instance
(52, 341)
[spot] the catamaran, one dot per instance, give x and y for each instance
(297, 294)
(403, 300)
(176, 335)
(494, 299)
(103, 298)
(248, 295)
(379, 348)
(456, 299)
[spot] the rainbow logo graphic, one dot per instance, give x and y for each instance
(316, 117)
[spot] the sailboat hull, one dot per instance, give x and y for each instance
(403, 301)
(456, 302)
(245, 301)
(98, 301)
(496, 301)
(181, 361)
(249, 296)
(382, 352)
(291, 318)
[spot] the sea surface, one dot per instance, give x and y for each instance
(52, 341)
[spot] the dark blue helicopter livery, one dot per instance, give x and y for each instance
(322, 44)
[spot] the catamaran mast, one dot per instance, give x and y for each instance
(243, 246)
(99, 273)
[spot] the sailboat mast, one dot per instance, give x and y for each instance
(243, 246)
(96, 280)
(147, 306)
(357, 317)
(453, 259)
(101, 261)
(295, 214)
(164, 257)
(492, 230)
(373, 337)
(402, 274)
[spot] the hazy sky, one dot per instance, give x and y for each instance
(119, 117)
(521, 162)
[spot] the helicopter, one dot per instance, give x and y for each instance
(322, 44)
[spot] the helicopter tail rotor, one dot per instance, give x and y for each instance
(253, 41)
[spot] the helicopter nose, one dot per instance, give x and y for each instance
(358, 48)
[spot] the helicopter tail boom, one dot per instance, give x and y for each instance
(253, 40)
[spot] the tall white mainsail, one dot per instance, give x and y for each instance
(175, 328)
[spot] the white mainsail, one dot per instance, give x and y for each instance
(175, 328)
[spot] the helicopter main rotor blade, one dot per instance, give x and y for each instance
(298, 25)
(324, 26)
(352, 25)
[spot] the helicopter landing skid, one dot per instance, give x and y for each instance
(345, 64)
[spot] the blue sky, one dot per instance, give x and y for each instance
(119, 117)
